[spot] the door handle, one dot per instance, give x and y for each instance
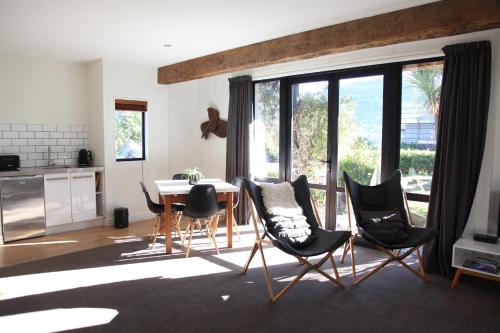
(326, 161)
(328, 164)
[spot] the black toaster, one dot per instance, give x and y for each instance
(9, 162)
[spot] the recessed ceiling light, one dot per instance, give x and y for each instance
(167, 45)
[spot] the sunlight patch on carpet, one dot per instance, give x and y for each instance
(56, 320)
(34, 284)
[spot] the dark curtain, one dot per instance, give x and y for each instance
(238, 136)
(463, 114)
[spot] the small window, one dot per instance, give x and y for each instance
(130, 130)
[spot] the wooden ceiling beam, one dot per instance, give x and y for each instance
(433, 20)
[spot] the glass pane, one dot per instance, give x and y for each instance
(419, 114)
(418, 212)
(319, 197)
(359, 136)
(310, 130)
(360, 128)
(128, 134)
(265, 148)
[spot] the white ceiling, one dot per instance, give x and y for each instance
(135, 31)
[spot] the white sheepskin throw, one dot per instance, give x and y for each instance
(279, 199)
(285, 215)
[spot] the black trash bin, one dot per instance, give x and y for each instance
(121, 217)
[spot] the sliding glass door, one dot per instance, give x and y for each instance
(309, 138)
(364, 121)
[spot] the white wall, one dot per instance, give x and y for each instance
(122, 80)
(42, 91)
(192, 98)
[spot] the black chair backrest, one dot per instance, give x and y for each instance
(201, 201)
(179, 176)
(385, 196)
(302, 196)
(237, 182)
(153, 206)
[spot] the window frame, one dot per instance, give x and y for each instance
(391, 122)
(143, 127)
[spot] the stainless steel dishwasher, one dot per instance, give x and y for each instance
(23, 207)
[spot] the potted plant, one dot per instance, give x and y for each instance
(193, 175)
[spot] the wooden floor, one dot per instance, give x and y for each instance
(53, 245)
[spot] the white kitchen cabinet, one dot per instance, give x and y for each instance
(57, 199)
(83, 197)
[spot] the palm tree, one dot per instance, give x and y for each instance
(428, 81)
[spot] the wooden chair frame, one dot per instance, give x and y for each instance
(398, 257)
(211, 231)
(258, 245)
(176, 226)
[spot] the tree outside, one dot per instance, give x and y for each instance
(128, 134)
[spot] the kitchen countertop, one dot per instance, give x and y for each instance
(45, 170)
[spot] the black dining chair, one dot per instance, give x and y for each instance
(179, 176)
(223, 204)
(159, 210)
(202, 209)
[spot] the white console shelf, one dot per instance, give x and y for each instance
(467, 248)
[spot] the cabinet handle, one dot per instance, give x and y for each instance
(57, 178)
(78, 177)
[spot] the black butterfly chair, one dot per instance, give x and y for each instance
(223, 204)
(158, 210)
(325, 242)
(202, 210)
(380, 199)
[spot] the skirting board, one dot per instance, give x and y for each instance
(75, 226)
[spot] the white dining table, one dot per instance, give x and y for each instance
(176, 191)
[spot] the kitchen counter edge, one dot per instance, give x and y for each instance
(48, 171)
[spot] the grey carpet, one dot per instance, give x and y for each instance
(394, 300)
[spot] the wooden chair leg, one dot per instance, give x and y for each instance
(334, 266)
(191, 227)
(266, 273)
(155, 230)
(235, 225)
(353, 263)
(186, 233)
(421, 264)
(252, 253)
(344, 253)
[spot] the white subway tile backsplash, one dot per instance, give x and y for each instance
(63, 128)
(26, 135)
(56, 135)
(64, 142)
(27, 164)
(35, 127)
(18, 127)
(19, 142)
(34, 142)
(70, 161)
(49, 128)
(76, 128)
(31, 142)
(11, 149)
(49, 142)
(42, 149)
(27, 149)
(35, 156)
(10, 135)
(41, 135)
(4, 127)
(57, 149)
(77, 141)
